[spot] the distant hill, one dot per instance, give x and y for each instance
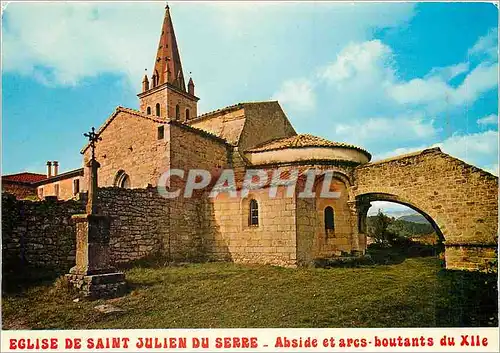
(415, 218)
(406, 228)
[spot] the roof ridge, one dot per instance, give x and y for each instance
(298, 141)
(405, 155)
(118, 109)
(229, 108)
(8, 175)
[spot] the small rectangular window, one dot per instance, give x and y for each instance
(56, 190)
(161, 132)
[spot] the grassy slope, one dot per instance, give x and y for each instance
(413, 293)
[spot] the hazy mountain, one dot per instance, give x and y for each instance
(415, 218)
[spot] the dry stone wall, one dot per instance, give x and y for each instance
(43, 234)
(139, 222)
(38, 233)
(21, 191)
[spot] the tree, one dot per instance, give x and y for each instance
(377, 229)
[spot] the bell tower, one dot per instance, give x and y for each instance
(164, 94)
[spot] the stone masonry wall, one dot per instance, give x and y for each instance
(338, 240)
(190, 150)
(168, 99)
(42, 233)
(265, 121)
(306, 230)
(130, 143)
(139, 222)
(230, 237)
(38, 233)
(313, 240)
(21, 191)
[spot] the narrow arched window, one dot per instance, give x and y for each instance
(329, 218)
(148, 110)
(122, 180)
(253, 219)
(125, 182)
(157, 109)
(187, 114)
(177, 112)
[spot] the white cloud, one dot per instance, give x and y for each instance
(449, 72)
(382, 131)
(436, 94)
(491, 119)
(398, 152)
(65, 43)
(370, 59)
(369, 104)
(479, 149)
(389, 208)
(296, 94)
(486, 45)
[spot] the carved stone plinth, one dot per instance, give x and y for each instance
(93, 275)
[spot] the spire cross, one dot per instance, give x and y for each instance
(93, 138)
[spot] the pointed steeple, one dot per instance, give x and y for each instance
(165, 90)
(168, 65)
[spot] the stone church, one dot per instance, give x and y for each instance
(137, 146)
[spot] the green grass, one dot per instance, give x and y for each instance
(415, 292)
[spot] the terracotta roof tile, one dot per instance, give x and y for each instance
(303, 140)
(25, 177)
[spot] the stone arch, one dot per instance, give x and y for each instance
(461, 200)
(365, 199)
(344, 178)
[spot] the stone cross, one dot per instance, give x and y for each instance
(93, 138)
(93, 165)
(93, 274)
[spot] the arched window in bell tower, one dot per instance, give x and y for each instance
(148, 110)
(157, 109)
(177, 112)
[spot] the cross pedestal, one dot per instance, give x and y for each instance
(93, 275)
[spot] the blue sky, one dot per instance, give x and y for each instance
(391, 77)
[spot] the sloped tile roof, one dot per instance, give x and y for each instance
(302, 140)
(25, 177)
